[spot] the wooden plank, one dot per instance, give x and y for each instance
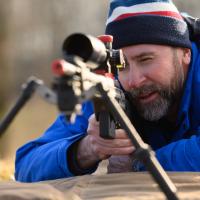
(123, 186)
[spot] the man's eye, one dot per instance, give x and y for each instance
(146, 59)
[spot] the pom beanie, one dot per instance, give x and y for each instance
(133, 22)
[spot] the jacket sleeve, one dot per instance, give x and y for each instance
(182, 155)
(46, 157)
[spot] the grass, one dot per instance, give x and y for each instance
(6, 170)
(31, 122)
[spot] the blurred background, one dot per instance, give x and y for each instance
(31, 36)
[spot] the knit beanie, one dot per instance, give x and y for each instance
(146, 22)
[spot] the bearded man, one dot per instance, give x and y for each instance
(161, 80)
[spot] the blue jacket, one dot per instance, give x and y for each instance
(45, 158)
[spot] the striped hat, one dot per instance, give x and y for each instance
(146, 22)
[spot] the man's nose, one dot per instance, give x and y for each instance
(136, 78)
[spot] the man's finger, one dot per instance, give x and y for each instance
(120, 134)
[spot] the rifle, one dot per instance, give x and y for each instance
(109, 61)
(82, 54)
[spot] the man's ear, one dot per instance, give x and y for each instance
(186, 56)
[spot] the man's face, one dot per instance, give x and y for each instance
(154, 76)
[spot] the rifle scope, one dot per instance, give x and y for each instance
(90, 49)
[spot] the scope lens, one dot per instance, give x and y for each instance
(79, 45)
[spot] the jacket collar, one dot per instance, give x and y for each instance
(183, 115)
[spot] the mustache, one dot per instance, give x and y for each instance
(147, 89)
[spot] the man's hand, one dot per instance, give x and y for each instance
(93, 148)
(118, 164)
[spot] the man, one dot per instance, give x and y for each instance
(161, 80)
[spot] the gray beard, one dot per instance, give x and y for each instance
(168, 95)
(156, 109)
